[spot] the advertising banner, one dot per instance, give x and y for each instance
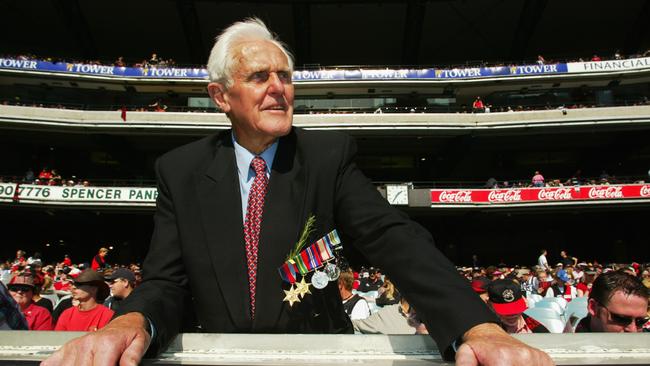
(104, 70)
(299, 75)
(612, 65)
(29, 193)
(517, 195)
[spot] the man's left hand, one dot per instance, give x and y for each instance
(488, 345)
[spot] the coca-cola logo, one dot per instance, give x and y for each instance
(455, 196)
(554, 194)
(510, 195)
(645, 191)
(605, 192)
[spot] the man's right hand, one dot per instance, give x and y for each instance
(123, 341)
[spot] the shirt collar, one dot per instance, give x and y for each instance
(244, 158)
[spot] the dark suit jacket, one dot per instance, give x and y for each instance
(197, 262)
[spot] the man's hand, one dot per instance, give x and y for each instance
(487, 344)
(123, 341)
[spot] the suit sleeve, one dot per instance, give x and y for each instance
(163, 293)
(407, 253)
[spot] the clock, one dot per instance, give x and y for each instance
(397, 194)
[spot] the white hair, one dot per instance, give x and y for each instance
(221, 60)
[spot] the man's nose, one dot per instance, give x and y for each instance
(276, 86)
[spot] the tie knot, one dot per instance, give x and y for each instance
(259, 165)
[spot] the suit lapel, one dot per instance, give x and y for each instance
(281, 226)
(220, 201)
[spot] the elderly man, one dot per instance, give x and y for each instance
(618, 302)
(232, 206)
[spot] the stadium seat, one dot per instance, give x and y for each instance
(548, 317)
(560, 301)
(577, 307)
(550, 305)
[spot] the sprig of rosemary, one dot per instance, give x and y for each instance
(304, 236)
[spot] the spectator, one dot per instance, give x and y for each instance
(391, 319)
(595, 57)
(506, 298)
(10, 315)
(389, 294)
(544, 282)
(478, 106)
(567, 260)
(542, 262)
(120, 62)
(540, 60)
(538, 179)
(562, 287)
(583, 288)
(618, 303)
(354, 305)
(480, 286)
(99, 261)
(154, 60)
(90, 315)
(122, 283)
(66, 260)
(372, 283)
(22, 289)
(529, 283)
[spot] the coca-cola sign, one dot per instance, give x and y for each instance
(510, 195)
(606, 192)
(534, 194)
(644, 191)
(455, 196)
(555, 194)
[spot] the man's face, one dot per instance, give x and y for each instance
(119, 287)
(541, 277)
(259, 102)
(82, 292)
(22, 294)
(510, 320)
(619, 315)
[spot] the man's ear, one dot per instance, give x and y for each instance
(591, 307)
(219, 96)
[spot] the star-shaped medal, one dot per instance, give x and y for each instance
(291, 296)
(302, 288)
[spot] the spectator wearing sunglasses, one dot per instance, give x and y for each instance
(22, 290)
(618, 302)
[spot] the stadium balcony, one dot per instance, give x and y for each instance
(23, 348)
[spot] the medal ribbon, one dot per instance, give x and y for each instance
(310, 259)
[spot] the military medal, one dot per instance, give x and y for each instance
(305, 258)
(302, 288)
(332, 271)
(319, 280)
(291, 296)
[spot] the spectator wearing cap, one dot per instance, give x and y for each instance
(562, 287)
(508, 302)
(99, 261)
(372, 283)
(22, 289)
(122, 283)
(90, 315)
(480, 286)
(618, 303)
(11, 318)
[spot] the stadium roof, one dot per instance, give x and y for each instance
(331, 32)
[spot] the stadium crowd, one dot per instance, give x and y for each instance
(571, 296)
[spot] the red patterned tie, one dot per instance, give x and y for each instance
(253, 221)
